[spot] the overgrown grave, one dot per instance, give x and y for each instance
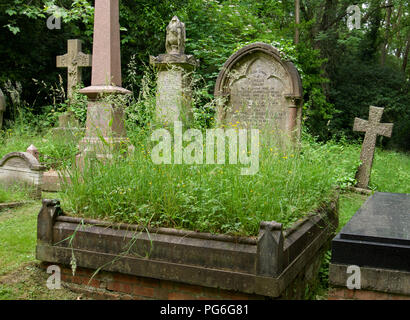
(238, 253)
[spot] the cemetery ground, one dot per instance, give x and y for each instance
(22, 278)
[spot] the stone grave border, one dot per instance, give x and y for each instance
(12, 205)
(267, 265)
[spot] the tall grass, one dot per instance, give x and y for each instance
(14, 193)
(210, 198)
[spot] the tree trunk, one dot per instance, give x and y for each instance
(406, 55)
(297, 21)
(387, 34)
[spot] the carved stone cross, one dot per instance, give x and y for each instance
(373, 128)
(74, 60)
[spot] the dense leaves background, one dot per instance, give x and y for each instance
(343, 71)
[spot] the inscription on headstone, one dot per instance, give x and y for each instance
(257, 89)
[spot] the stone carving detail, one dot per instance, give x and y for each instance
(175, 39)
(173, 101)
(74, 60)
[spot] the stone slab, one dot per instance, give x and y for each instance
(52, 181)
(378, 235)
(377, 279)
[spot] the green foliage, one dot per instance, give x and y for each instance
(13, 194)
(78, 105)
(383, 87)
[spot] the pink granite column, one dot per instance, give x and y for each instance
(104, 119)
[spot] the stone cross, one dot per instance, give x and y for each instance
(373, 128)
(74, 60)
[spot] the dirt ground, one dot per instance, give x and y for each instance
(28, 282)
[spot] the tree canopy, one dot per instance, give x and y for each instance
(343, 71)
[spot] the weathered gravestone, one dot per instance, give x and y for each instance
(2, 107)
(104, 119)
(373, 128)
(256, 88)
(69, 126)
(173, 100)
(22, 168)
(74, 60)
(376, 239)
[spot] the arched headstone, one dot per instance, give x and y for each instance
(21, 168)
(256, 88)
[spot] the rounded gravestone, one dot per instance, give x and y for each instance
(256, 88)
(2, 107)
(21, 168)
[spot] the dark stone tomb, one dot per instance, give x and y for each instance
(378, 235)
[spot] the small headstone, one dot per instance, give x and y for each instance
(2, 107)
(68, 120)
(173, 101)
(256, 88)
(69, 126)
(373, 128)
(74, 60)
(22, 168)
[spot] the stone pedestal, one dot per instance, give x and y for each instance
(174, 96)
(105, 128)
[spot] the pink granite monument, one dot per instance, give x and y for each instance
(104, 119)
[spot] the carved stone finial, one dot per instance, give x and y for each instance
(33, 151)
(176, 34)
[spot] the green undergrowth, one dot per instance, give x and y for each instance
(14, 193)
(211, 198)
(56, 151)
